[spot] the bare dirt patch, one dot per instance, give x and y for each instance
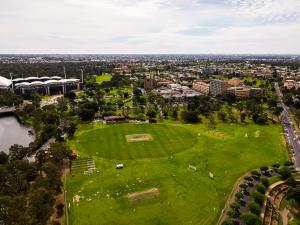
(218, 134)
(138, 137)
(138, 196)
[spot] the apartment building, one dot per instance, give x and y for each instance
(201, 87)
(218, 86)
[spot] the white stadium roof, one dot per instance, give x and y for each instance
(28, 79)
(29, 84)
(4, 82)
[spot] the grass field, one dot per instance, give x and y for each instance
(101, 78)
(185, 196)
(111, 142)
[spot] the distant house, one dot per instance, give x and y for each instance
(289, 84)
(115, 119)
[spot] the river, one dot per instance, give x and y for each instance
(12, 132)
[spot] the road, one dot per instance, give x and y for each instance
(290, 131)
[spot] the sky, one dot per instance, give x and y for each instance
(150, 26)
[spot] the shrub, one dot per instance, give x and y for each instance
(260, 188)
(285, 173)
(250, 219)
(288, 163)
(276, 165)
(60, 210)
(235, 206)
(256, 173)
(233, 213)
(254, 208)
(248, 178)
(265, 182)
(227, 222)
(291, 181)
(243, 186)
(264, 168)
(239, 195)
(258, 198)
(191, 117)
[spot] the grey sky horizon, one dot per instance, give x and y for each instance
(150, 27)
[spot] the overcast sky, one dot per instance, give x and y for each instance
(150, 26)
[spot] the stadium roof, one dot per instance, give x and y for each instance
(28, 79)
(46, 83)
(4, 82)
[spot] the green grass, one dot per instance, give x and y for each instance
(186, 197)
(101, 78)
(111, 142)
(296, 220)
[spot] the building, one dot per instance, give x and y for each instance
(5, 83)
(246, 92)
(289, 84)
(235, 82)
(115, 119)
(42, 85)
(257, 92)
(209, 70)
(218, 87)
(150, 83)
(176, 92)
(201, 87)
(240, 92)
(123, 70)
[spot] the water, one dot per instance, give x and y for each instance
(12, 132)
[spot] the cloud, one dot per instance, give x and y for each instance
(149, 26)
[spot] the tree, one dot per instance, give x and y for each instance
(293, 193)
(7, 98)
(36, 99)
(243, 117)
(3, 158)
(250, 219)
(222, 116)
(175, 114)
(265, 182)
(258, 198)
(13, 210)
(17, 152)
(40, 205)
(62, 104)
(151, 113)
(60, 210)
(227, 222)
(254, 208)
(239, 195)
(86, 114)
(285, 173)
(70, 95)
(260, 188)
(71, 129)
(288, 98)
(190, 117)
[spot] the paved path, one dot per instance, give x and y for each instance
(7, 109)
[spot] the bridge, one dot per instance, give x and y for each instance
(7, 109)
